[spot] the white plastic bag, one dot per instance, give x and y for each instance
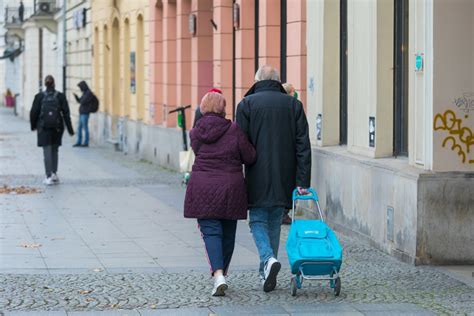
(186, 161)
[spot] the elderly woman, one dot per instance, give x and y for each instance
(216, 193)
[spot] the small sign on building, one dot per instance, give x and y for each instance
(419, 62)
(236, 15)
(133, 84)
(371, 131)
(192, 24)
(319, 126)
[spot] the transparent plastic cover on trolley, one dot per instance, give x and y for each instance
(306, 206)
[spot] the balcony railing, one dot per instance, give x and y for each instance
(15, 17)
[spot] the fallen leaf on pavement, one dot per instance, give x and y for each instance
(24, 245)
(85, 291)
(5, 189)
(90, 299)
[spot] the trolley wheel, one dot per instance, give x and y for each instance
(337, 286)
(293, 286)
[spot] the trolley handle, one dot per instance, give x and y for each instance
(312, 195)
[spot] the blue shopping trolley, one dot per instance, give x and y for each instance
(313, 250)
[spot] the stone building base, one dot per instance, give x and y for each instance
(418, 216)
(153, 143)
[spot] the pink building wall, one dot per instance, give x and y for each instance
(296, 47)
(183, 54)
(185, 66)
(156, 60)
(168, 28)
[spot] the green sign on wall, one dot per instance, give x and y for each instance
(419, 62)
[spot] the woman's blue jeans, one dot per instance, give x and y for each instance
(83, 124)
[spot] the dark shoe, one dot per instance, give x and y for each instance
(76, 145)
(286, 220)
(85, 145)
(272, 267)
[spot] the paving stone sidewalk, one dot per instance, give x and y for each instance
(111, 238)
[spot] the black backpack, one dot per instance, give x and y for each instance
(94, 105)
(50, 111)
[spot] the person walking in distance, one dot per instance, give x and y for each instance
(216, 194)
(276, 125)
(48, 115)
(88, 104)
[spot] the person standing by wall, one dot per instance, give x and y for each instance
(48, 115)
(88, 104)
(276, 125)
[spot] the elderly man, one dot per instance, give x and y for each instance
(276, 125)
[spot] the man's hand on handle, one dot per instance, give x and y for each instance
(302, 191)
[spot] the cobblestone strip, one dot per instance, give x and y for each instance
(368, 276)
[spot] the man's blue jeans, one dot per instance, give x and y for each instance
(265, 225)
(83, 124)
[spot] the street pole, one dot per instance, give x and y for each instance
(64, 46)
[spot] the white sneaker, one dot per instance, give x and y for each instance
(48, 181)
(272, 267)
(219, 286)
(55, 178)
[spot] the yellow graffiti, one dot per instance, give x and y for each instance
(449, 122)
(455, 146)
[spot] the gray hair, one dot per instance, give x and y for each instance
(267, 72)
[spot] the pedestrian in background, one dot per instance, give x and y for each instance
(9, 98)
(48, 115)
(216, 193)
(88, 104)
(291, 91)
(276, 125)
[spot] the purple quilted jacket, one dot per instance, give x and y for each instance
(216, 189)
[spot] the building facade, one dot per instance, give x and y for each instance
(13, 40)
(196, 45)
(121, 70)
(79, 55)
(159, 55)
(390, 107)
(37, 35)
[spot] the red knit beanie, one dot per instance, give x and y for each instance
(215, 90)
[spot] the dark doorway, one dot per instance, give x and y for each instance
(283, 20)
(400, 79)
(343, 74)
(256, 34)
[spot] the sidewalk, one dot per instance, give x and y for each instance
(111, 237)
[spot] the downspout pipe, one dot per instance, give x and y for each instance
(64, 46)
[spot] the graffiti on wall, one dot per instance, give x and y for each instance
(458, 137)
(465, 103)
